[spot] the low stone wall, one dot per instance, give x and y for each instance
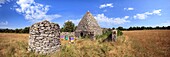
(67, 34)
(44, 37)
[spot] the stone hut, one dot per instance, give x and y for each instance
(44, 37)
(88, 26)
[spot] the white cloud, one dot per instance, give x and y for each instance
(158, 12)
(34, 11)
(126, 17)
(3, 2)
(121, 20)
(4, 23)
(140, 16)
(76, 21)
(106, 5)
(146, 14)
(129, 8)
(103, 18)
(167, 23)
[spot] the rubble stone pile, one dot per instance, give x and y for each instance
(44, 37)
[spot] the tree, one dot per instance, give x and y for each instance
(157, 27)
(119, 33)
(131, 28)
(149, 28)
(20, 30)
(75, 28)
(168, 27)
(16, 30)
(68, 26)
(6, 30)
(142, 28)
(113, 28)
(120, 28)
(25, 30)
(62, 29)
(163, 27)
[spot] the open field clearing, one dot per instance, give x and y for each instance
(145, 43)
(154, 43)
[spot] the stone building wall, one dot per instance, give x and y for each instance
(88, 26)
(44, 37)
(67, 34)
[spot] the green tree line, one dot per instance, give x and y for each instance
(25, 30)
(144, 28)
(70, 27)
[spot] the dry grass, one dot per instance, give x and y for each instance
(14, 36)
(149, 43)
(15, 45)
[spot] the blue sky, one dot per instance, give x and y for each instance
(108, 13)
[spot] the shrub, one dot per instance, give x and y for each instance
(119, 33)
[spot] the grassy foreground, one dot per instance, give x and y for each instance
(155, 43)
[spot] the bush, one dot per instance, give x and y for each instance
(119, 33)
(68, 27)
(104, 35)
(107, 33)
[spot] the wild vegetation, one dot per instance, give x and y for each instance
(24, 30)
(144, 28)
(69, 26)
(145, 43)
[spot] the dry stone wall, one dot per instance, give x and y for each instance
(44, 37)
(67, 34)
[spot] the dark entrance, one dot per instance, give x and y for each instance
(81, 34)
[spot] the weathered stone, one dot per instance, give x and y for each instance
(88, 26)
(39, 38)
(43, 36)
(114, 35)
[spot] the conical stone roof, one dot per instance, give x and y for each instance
(88, 23)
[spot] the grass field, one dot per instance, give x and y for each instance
(150, 43)
(145, 43)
